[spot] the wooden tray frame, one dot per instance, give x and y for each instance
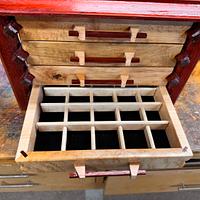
(151, 158)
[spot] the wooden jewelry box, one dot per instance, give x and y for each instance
(102, 93)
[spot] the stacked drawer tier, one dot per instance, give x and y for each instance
(140, 50)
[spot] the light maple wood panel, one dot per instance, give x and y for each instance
(155, 181)
(64, 74)
(98, 160)
(57, 28)
(59, 53)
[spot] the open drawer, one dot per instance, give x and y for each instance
(102, 129)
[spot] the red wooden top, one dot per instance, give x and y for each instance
(181, 10)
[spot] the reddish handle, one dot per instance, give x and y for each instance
(108, 34)
(107, 173)
(102, 82)
(105, 59)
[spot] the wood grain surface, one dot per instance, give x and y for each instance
(58, 28)
(59, 53)
(62, 75)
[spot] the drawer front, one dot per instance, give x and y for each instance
(9, 167)
(101, 30)
(62, 42)
(65, 75)
(46, 182)
(109, 54)
(174, 180)
(61, 133)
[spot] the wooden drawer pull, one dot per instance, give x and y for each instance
(107, 34)
(81, 171)
(82, 59)
(106, 173)
(104, 59)
(103, 82)
(123, 77)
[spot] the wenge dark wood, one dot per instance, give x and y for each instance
(186, 62)
(108, 34)
(104, 59)
(13, 58)
(186, 10)
(102, 82)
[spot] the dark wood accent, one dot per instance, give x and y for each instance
(103, 82)
(186, 61)
(13, 58)
(24, 154)
(108, 34)
(186, 10)
(106, 173)
(104, 59)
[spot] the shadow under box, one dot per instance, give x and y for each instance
(102, 99)
(77, 99)
(107, 139)
(104, 116)
(51, 117)
(78, 116)
(78, 140)
(148, 99)
(160, 138)
(48, 141)
(135, 139)
(130, 116)
(53, 99)
(126, 98)
(153, 116)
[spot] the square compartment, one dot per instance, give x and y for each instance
(103, 99)
(78, 140)
(104, 116)
(48, 141)
(135, 139)
(126, 98)
(77, 99)
(107, 139)
(130, 116)
(148, 99)
(51, 117)
(153, 116)
(160, 139)
(79, 116)
(53, 99)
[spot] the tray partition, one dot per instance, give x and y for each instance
(103, 111)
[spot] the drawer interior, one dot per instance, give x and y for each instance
(107, 128)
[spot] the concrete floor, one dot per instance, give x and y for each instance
(98, 195)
